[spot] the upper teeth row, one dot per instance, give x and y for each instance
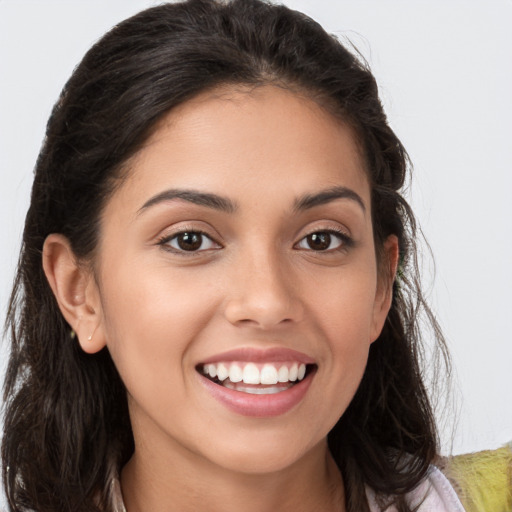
(251, 374)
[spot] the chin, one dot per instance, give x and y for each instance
(264, 456)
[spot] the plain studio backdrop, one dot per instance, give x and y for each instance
(444, 69)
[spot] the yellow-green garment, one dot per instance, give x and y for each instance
(483, 480)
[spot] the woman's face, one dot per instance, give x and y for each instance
(240, 247)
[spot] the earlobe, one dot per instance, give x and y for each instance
(76, 292)
(384, 295)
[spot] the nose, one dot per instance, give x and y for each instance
(263, 294)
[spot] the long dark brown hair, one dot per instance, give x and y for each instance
(66, 428)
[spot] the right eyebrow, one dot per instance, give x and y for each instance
(326, 196)
(192, 196)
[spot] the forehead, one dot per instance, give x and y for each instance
(262, 140)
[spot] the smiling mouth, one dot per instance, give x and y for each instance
(256, 378)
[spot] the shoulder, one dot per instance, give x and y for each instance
(439, 494)
(434, 494)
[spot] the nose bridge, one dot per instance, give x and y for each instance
(262, 291)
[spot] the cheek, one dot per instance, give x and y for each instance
(342, 308)
(151, 318)
(343, 304)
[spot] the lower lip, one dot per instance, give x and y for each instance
(260, 406)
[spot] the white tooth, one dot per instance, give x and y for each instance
(282, 375)
(262, 391)
(251, 374)
(222, 372)
(302, 371)
(212, 370)
(269, 375)
(205, 369)
(235, 373)
(254, 390)
(294, 370)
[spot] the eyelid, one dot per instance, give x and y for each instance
(342, 234)
(164, 240)
(328, 229)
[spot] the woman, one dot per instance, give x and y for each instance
(206, 308)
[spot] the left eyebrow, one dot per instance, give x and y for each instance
(326, 196)
(200, 198)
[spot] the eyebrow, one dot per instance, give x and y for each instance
(201, 198)
(326, 196)
(225, 204)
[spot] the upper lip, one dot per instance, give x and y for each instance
(254, 355)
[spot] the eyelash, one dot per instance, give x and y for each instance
(345, 241)
(165, 241)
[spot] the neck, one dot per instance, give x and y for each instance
(160, 482)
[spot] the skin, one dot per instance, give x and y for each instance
(255, 282)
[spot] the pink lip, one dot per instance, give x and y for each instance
(251, 355)
(259, 406)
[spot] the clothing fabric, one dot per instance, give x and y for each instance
(482, 480)
(435, 495)
(116, 497)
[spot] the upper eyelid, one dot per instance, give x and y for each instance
(331, 229)
(327, 229)
(171, 231)
(164, 243)
(211, 233)
(347, 242)
(171, 236)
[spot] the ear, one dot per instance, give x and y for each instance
(385, 280)
(76, 292)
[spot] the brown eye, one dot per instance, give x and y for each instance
(319, 241)
(190, 241)
(323, 241)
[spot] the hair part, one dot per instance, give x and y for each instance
(66, 428)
